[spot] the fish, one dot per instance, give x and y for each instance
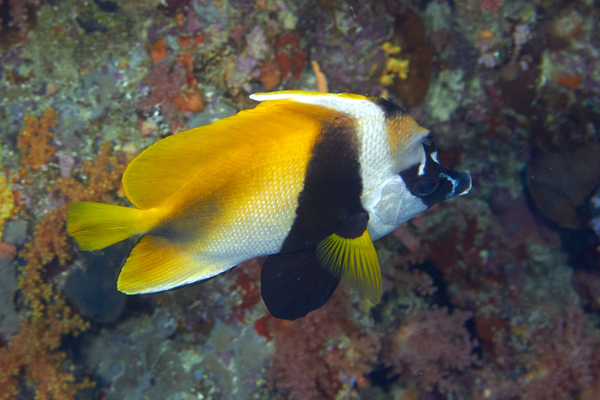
(307, 179)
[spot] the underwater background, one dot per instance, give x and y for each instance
(493, 295)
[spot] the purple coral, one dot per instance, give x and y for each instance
(164, 87)
(257, 43)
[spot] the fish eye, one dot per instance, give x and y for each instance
(426, 186)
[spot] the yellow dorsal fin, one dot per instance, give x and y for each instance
(354, 262)
(217, 151)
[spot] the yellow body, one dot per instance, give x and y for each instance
(227, 192)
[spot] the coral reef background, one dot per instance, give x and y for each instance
(494, 295)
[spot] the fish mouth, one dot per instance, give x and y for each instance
(461, 182)
(466, 183)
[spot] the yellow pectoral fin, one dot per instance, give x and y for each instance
(354, 261)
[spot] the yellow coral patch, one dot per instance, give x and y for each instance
(390, 48)
(6, 202)
(398, 66)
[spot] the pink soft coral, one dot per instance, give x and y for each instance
(322, 354)
(557, 362)
(432, 346)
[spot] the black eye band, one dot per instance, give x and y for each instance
(425, 185)
(431, 182)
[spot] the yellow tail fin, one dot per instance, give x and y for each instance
(96, 226)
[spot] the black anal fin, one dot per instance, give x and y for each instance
(294, 284)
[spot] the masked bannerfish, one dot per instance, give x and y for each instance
(308, 179)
